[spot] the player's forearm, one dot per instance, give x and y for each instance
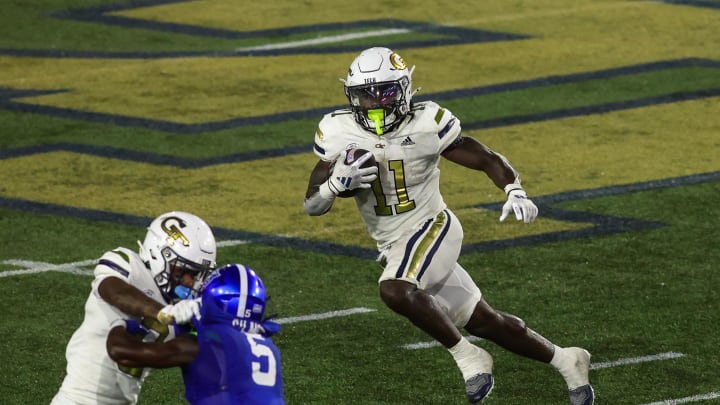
(318, 204)
(319, 198)
(158, 355)
(500, 171)
(130, 351)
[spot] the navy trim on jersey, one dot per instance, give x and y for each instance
(436, 246)
(319, 149)
(410, 245)
(445, 130)
(114, 266)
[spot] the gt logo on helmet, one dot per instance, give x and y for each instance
(173, 232)
(397, 61)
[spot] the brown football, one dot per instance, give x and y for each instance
(353, 155)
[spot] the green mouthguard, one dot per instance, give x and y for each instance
(377, 116)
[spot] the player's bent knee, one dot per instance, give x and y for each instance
(395, 293)
(486, 322)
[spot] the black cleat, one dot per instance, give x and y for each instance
(583, 395)
(478, 387)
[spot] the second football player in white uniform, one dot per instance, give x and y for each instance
(178, 251)
(418, 237)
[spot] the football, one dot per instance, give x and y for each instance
(353, 155)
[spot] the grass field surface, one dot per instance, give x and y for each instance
(113, 112)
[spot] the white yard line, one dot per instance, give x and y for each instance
(432, 343)
(227, 243)
(32, 267)
(325, 40)
(324, 315)
(694, 398)
(634, 360)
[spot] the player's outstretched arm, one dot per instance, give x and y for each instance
(132, 301)
(470, 153)
(129, 350)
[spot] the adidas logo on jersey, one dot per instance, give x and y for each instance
(407, 142)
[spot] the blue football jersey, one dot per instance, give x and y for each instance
(233, 367)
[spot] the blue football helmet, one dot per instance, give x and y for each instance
(236, 295)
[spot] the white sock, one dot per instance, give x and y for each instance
(566, 360)
(471, 360)
(559, 358)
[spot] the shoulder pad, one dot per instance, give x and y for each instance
(115, 262)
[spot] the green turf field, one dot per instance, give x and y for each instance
(114, 112)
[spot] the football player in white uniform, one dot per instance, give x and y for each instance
(149, 287)
(418, 237)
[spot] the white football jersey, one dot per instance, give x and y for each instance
(407, 190)
(92, 377)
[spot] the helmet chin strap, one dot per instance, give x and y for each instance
(378, 117)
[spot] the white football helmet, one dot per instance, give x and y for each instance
(178, 240)
(379, 88)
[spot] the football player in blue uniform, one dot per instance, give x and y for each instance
(229, 358)
(418, 237)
